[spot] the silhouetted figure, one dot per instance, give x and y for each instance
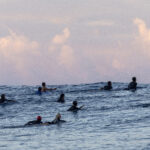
(39, 90)
(57, 120)
(108, 86)
(44, 88)
(3, 99)
(132, 85)
(61, 98)
(74, 106)
(34, 122)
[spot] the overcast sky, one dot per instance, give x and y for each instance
(74, 41)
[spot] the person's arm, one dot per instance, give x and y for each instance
(135, 85)
(46, 123)
(29, 123)
(81, 107)
(51, 89)
(130, 85)
(62, 121)
(10, 100)
(71, 108)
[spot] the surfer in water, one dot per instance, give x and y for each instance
(108, 86)
(3, 99)
(39, 92)
(44, 88)
(61, 98)
(34, 122)
(57, 120)
(75, 107)
(132, 85)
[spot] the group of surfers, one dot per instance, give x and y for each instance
(38, 120)
(132, 86)
(57, 119)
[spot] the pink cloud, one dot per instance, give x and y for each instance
(16, 54)
(27, 63)
(61, 38)
(144, 32)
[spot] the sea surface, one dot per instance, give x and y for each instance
(110, 120)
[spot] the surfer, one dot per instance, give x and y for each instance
(57, 120)
(108, 86)
(44, 88)
(61, 98)
(3, 99)
(39, 92)
(74, 106)
(132, 85)
(37, 121)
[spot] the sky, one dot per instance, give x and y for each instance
(74, 41)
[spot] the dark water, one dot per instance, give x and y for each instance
(111, 120)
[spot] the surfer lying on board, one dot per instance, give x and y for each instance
(44, 88)
(3, 99)
(108, 86)
(74, 106)
(57, 120)
(34, 122)
(61, 98)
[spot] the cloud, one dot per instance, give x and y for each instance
(100, 23)
(28, 63)
(124, 60)
(117, 65)
(24, 61)
(61, 38)
(144, 32)
(17, 17)
(16, 54)
(66, 56)
(143, 37)
(61, 50)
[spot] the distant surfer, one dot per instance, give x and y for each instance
(39, 92)
(3, 99)
(44, 88)
(57, 120)
(61, 98)
(34, 122)
(108, 86)
(132, 85)
(75, 107)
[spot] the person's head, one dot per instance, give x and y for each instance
(58, 116)
(39, 118)
(109, 83)
(43, 84)
(75, 103)
(134, 79)
(3, 96)
(39, 89)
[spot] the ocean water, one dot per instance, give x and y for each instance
(111, 120)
